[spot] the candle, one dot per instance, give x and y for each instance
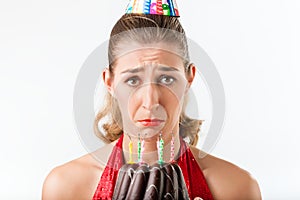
(139, 150)
(158, 148)
(142, 150)
(172, 148)
(130, 152)
(161, 150)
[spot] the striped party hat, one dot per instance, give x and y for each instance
(153, 7)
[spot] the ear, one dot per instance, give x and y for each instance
(108, 80)
(190, 75)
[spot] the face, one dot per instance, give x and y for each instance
(149, 86)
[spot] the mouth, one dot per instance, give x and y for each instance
(150, 122)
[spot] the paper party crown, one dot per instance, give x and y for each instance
(153, 7)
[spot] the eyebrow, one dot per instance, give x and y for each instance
(141, 69)
(134, 70)
(167, 69)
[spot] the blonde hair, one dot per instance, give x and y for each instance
(154, 28)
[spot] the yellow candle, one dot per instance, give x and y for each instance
(130, 152)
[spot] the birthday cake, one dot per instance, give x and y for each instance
(159, 181)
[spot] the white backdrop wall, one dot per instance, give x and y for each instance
(254, 45)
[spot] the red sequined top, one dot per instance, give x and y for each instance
(193, 176)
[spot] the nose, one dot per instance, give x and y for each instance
(150, 96)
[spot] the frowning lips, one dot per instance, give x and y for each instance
(151, 122)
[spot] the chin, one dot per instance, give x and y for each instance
(150, 133)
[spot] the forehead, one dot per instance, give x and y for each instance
(148, 56)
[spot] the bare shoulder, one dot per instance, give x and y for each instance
(66, 181)
(77, 179)
(226, 180)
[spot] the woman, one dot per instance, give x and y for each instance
(147, 81)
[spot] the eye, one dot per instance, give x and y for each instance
(133, 81)
(166, 80)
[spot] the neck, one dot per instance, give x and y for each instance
(150, 153)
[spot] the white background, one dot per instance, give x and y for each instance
(254, 45)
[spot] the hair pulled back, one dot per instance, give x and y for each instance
(144, 29)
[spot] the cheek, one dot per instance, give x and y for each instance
(128, 100)
(171, 100)
(133, 104)
(122, 94)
